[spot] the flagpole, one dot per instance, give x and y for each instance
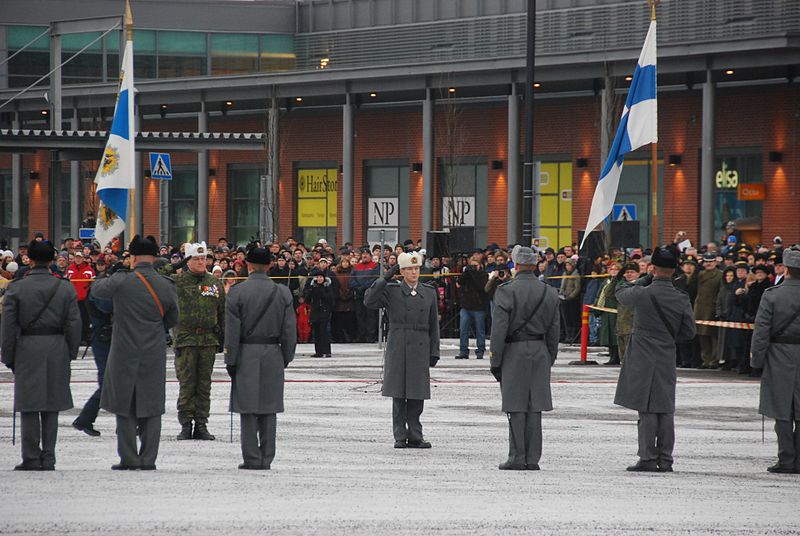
(131, 191)
(654, 159)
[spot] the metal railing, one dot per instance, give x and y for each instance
(564, 31)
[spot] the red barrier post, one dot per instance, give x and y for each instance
(584, 339)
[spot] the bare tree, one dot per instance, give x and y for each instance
(452, 140)
(269, 210)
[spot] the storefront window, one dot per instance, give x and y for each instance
(634, 190)
(730, 174)
(464, 191)
(183, 206)
(243, 190)
(316, 204)
(386, 203)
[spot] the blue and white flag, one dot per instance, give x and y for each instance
(638, 126)
(115, 176)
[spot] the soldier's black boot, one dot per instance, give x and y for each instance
(202, 433)
(186, 431)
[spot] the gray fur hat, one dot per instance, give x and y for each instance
(523, 255)
(791, 257)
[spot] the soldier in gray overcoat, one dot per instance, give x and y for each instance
(524, 345)
(260, 341)
(412, 346)
(776, 349)
(145, 304)
(662, 316)
(40, 334)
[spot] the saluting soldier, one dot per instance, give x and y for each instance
(145, 303)
(776, 349)
(260, 341)
(662, 317)
(524, 346)
(40, 333)
(201, 302)
(412, 345)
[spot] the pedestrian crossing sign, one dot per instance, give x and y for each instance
(160, 166)
(624, 213)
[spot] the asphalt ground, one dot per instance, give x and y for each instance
(336, 471)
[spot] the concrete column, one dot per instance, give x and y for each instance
(514, 194)
(55, 82)
(707, 231)
(427, 165)
(275, 164)
(16, 190)
(348, 158)
(138, 197)
(202, 178)
(74, 185)
(606, 107)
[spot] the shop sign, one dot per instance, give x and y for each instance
(383, 212)
(316, 197)
(458, 211)
(754, 191)
(727, 179)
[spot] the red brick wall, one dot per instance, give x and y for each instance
(766, 118)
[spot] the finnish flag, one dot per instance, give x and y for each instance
(638, 126)
(115, 175)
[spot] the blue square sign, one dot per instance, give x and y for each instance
(624, 212)
(160, 166)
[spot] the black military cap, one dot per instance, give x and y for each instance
(143, 246)
(663, 257)
(742, 264)
(258, 255)
(41, 251)
(763, 268)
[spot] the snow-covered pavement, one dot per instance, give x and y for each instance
(336, 471)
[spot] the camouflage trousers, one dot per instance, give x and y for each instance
(193, 366)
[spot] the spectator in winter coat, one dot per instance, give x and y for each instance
(708, 285)
(303, 312)
(474, 301)
(344, 316)
(364, 274)
(569, 294)
(81, 271)
(319, 294)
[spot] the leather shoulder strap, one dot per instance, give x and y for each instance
(45, 306)
(533, 313)
(152, 292)
(661, 315)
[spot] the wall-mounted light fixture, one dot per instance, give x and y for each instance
(33, 175)
(497, 164)
(212, 172)
(582, 162)
(416, 167)
(775, 156)
(674, 160)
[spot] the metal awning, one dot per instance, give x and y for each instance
(27, 139)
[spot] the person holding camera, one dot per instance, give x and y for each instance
(320, 296)
(474, 301)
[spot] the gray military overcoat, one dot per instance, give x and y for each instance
(41, 362)
(138, 358)
(258, 385)
(413, 337)
(647, 379)
(525, 365)
(780, 380)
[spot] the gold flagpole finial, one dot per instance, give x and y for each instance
(653, 4)
(128, 20)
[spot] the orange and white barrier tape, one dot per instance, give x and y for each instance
(714, 323)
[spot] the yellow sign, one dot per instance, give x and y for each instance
(316, 195)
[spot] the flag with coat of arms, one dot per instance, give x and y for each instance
(115, 175)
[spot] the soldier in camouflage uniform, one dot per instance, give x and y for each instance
(201, 302)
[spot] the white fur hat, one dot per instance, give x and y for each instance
(191, 250)
(12, 267)
(409, 260)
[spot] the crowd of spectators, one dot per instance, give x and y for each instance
(328, 285)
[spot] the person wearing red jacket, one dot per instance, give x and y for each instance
(82, 272)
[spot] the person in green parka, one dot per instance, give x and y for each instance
(608, 321)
